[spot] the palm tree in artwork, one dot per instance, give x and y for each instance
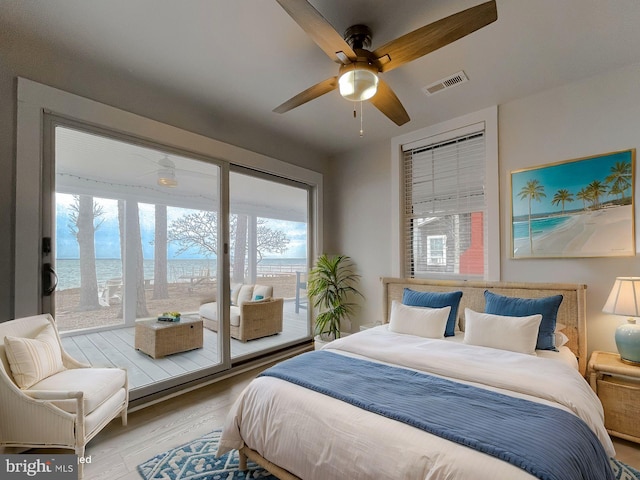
(532, 191)
(585, 196)
(596, 189)
(561, 197)
(619, 180)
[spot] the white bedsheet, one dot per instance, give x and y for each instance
(318, 437)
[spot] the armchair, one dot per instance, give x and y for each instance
(49, 399)
(254, 312)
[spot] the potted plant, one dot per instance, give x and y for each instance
(330, 284)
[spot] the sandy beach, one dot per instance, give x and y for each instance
(604, 232)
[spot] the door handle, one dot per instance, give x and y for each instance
(49, 279)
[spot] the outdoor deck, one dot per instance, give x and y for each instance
(116, 348)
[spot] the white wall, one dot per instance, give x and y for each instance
(596, 115)
(358, 217)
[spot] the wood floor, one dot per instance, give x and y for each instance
(117, 451)
(115, 348)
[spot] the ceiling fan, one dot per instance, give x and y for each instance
(358, 77)
(166, 172)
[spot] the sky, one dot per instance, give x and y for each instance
(572, 175)
(107, 237)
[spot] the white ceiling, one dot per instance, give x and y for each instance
(105, 167)
(248, 56)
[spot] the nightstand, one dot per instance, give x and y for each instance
(617, 384)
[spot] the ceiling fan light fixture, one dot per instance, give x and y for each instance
(358, 82)
(167, 178)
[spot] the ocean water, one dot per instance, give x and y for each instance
(539, 226)
(68, 270)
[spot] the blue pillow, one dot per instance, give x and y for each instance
(258, 297)
(435, 300)
(522, 307)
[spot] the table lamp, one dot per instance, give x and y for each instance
(624, 299)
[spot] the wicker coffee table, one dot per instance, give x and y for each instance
(158, 339)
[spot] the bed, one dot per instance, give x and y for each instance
(296, 430)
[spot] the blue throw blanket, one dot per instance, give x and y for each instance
(546, 442)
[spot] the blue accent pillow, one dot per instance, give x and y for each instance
(436, 300)
(522, 307)
(258, 297)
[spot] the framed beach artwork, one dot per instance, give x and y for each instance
(575, 208)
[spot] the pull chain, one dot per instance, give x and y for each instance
(361, 128)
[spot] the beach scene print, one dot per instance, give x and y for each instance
(577, 208)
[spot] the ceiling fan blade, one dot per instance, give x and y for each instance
(435, 35)
(387, 102)
(319, 30)
(309, 94)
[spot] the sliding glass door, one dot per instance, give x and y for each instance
(134, 234)
(269, 244)
(136, 231)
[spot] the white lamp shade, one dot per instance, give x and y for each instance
(624, 298)
(358, 84)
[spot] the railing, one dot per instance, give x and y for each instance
(286, 269)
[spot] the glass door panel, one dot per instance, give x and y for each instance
(135, 236)
(269, 242)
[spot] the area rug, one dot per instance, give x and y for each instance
(623, 471)
(196, 461)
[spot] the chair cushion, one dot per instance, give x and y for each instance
(235, 290)
(260, 292)
(245, 295)
(98, 384)
(210, 311)
(234, 316)
(34, 359)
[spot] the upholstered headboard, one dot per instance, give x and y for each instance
(572, 312)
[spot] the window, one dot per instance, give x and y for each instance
(437, 250)
(444, 206)
(444, 183)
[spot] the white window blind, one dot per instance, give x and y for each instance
(444, 200)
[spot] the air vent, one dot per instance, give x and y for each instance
(450, 81)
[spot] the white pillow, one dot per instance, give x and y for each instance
(516, 334)
(34, 359)
(420, 321)
(245, 294)
(561, 339)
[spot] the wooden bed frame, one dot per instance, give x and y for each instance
(572, 311)
(572, 314)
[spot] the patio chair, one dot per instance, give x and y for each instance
(47, 398)
(254, 313)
